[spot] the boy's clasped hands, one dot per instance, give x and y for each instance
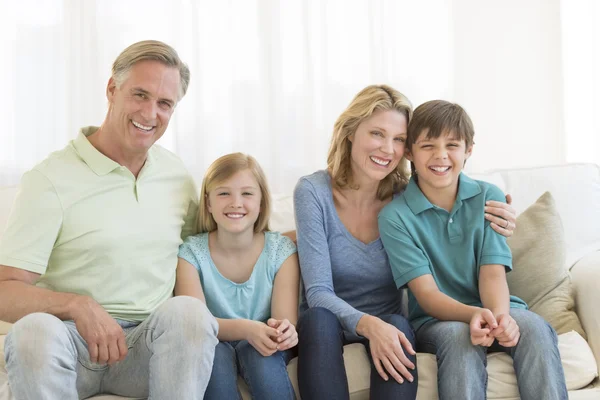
(275, 335)
(485, 328)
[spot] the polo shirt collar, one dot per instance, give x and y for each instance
(97, 161)
(417, 202)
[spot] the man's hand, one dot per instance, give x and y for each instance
(507, 333)
(481, 327)
(104, 337)
(288, 337)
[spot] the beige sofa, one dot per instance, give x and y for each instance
(576, 189)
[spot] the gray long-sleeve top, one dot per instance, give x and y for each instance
(339, 272)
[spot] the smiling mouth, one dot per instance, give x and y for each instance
(380, 161)
(142, 127)
(235, 215)
(440, 170)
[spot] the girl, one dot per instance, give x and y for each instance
(249, 279)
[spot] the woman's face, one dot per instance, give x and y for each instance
(378, 146)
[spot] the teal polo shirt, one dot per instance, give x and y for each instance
(421, 238)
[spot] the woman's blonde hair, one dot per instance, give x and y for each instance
(222, 169)
(369, 100)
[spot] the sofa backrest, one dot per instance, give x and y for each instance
(576, 191)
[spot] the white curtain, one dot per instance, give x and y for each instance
(269, 77)
(581, 65)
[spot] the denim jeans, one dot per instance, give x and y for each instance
(170, 356)
(266, 377)
(321, 371)
(462, 367)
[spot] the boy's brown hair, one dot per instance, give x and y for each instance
(436, 118)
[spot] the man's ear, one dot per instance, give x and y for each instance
(111, 87)
(408, 155)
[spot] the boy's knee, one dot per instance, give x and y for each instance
(35, 339)
(533, 328)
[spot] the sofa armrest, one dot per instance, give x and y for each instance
(585, 276)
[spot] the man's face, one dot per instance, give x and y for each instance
(140, 109)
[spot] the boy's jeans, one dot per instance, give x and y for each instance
(462, 367)
(266, 377)
(170, 356)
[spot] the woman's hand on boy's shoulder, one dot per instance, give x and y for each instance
(287, 336)
(502, 216)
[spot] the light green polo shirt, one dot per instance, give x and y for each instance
(421, 238)
(88, 226)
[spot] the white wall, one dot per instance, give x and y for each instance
(508, 76)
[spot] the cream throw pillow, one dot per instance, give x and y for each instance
(539, 274)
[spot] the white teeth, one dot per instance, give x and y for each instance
(379, 161)
(234, 215)
(440, 169)
(140, 126)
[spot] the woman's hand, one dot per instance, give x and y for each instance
(288, 337)
(260, 335)
(502, 216)
(387, 344)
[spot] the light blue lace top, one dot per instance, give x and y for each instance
(227, 299)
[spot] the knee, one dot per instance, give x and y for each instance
(189, 317)
(401, 324)
(35, 339)
(455, 337)
(534, 329)
(318, 321)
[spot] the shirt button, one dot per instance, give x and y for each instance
(451, 220)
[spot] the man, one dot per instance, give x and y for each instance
(88, 259)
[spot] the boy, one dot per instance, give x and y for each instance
(455, 265)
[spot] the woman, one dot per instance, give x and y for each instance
(350, 294)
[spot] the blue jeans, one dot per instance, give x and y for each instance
(462, 367)
(170, 356)
(321, 371)
(266, 377)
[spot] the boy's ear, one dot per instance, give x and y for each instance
(469, 152)
(408, 155)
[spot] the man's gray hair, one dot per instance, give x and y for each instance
(150, 50)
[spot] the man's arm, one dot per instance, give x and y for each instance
(105, 338)
(17, 283)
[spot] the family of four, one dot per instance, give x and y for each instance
(119, 280)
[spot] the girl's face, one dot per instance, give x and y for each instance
(378, 145)
(235, 203)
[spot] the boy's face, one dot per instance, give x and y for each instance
(438, 162)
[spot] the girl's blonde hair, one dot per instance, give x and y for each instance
(369, 100)
(222, 169)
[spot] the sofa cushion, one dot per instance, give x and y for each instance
(539, 276)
